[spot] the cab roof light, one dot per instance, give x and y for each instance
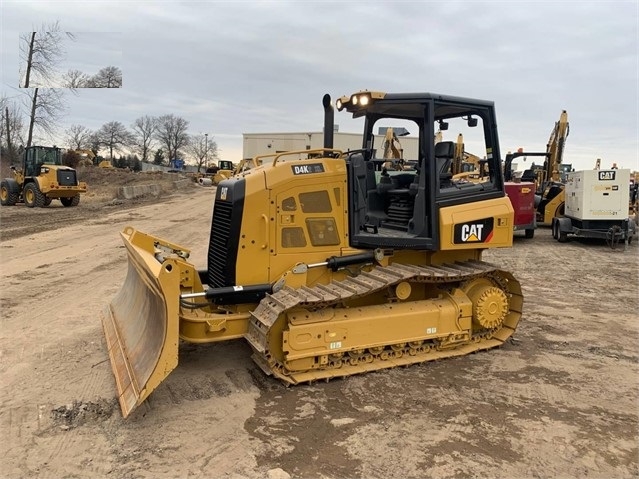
(358, 101)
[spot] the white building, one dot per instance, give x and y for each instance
(255, 144)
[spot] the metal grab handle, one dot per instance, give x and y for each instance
(299, 152)
(264, 245)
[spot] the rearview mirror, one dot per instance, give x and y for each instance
(443, 125)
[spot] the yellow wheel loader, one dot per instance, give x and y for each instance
(327, 264)
(43, 178)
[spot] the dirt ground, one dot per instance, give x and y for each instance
(560, 400)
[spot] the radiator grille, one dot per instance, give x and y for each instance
(219, 244)
(67, 178)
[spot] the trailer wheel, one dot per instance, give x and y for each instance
(563, 237)
(9, 192)
(73, 201)
(530, 233)
(33, 197)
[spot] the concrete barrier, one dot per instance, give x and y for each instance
(155, 189)
(135, 191)
(185, 183)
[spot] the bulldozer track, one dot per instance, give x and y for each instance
(273, 306)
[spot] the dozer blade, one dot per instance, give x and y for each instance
(141, 324)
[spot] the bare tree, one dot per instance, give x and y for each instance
(202, 149)
(171, 132)
(45, 108)
(5, 127)
(11, 128)
(108, 77)
(144, 129)
(114, 136)
(78, 137)
(94, 142)
(75, 79)
(40, 52)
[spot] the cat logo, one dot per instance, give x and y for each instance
(479, 231)
(223, 192)
(471, 233)
(608, 175)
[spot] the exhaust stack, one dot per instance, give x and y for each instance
(329, 118)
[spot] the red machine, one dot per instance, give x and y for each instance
(522, 197)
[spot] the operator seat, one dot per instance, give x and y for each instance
(444, 154)
(528, 176)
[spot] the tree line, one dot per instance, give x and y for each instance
(155, 139)
(107, 77)
(38, 110)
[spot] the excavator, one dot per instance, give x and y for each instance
(328, 266)
(551, 199)
(633, 206)
(90, 158)
(466, 166)
(459, 165)
(393, 151)
(87, 157)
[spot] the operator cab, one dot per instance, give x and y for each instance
(398, 207)
(36, 156)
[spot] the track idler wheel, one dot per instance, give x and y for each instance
(490, 303)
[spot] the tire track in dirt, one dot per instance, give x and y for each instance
(557, 402)
(73, 272)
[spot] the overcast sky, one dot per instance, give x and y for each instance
(249, 67)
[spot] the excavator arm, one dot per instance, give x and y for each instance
(555, 148)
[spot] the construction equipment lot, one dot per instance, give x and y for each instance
(560, 400)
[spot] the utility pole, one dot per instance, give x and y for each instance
(206, 151)
(9, 146)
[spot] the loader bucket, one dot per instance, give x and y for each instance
(141, 324)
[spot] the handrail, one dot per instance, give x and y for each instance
(298, 152)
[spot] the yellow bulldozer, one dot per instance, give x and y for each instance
(41, 179)
(217, 173)
(327, 264)
(226, 168)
